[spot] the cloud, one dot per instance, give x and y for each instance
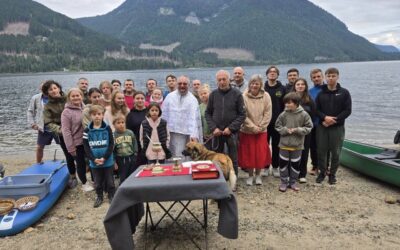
(364, 16)
(390, 37)
(81, 8)
(378, 21)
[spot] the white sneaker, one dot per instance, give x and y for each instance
(265, 172)
(87, 187)
(249, 181)
(258, 180)
(275, 172)
(303, 180)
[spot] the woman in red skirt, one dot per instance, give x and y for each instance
(254, 153)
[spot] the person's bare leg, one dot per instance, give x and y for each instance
(250, 180)
(39, 153)
(258, 176)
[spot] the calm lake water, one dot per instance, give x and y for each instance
(374, 87)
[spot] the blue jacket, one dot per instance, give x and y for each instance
(99, 143)
(314, 91)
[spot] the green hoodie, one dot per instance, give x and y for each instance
(298, 119)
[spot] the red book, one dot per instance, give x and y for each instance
(204, 171)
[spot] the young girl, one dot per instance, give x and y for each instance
(204, 92)
(306, 102)
(157, 96)
(72, 130)
(292, 124)
(118, 107)
(155, 128)
(106, 91)
(94, 99)
(98, 142)
(125, 148)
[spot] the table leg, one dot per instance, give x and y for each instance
(165, 214)
(174, 221)
(205, 214)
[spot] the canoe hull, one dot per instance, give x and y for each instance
(363, 158)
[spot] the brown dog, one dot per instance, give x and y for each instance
(198, 152)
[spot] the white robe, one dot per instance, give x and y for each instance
(182, 114)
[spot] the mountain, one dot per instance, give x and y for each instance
(387, 48)
(34, 38)
(209, 32)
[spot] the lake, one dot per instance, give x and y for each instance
(374, 87)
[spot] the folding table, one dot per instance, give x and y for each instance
(127, 207)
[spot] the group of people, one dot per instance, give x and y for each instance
(114, 127)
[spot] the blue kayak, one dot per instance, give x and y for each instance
(16, 221)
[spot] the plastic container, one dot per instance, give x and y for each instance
(18, 186)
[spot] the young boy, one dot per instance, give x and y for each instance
(125, 148)
(99, 145)
(293, 124)
(333, 107)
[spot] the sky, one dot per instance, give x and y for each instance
(378, 21)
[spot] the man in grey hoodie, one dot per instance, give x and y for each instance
(35, 121)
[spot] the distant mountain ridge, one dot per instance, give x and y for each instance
(387, 48)
(34, 38)
(227, 31)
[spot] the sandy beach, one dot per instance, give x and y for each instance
(349, 215)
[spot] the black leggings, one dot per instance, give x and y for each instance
(79, 158)
(304, 156)
(126, 166)
(273, 140)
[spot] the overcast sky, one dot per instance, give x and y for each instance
(378, 21)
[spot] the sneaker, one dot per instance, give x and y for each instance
(87, 187)
(258, 180)
(294, 187)
(98, 201)
(332, 179)
(320, 178)
(72, 183)
(275, 172)
(249, 181)
(265, 172)
(283, 187)
(303, 180)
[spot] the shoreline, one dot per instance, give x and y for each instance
(351, 214)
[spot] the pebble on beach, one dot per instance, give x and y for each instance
(390, 199)
(71, 216)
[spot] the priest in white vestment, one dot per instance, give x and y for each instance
(181, 111)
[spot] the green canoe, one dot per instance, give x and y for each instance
(380, 163)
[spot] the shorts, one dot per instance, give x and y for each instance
(44, 138)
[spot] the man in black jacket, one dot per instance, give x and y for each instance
(225, 114)
(333, 107)
(276, 91)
